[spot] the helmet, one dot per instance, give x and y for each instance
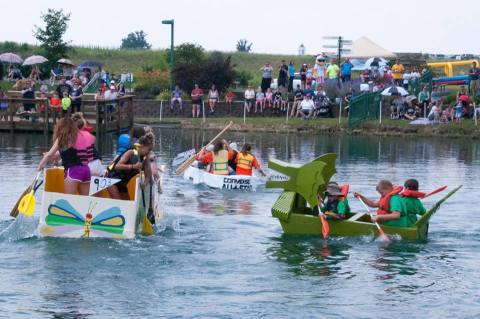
(123, 143)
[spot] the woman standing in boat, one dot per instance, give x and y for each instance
(246, 161)
(73, 145)
(129, 165)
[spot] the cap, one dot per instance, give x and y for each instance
(234, 146)
(334, 190)
(209, 148)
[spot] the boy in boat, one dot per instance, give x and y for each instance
(391, 208)
(410, 197)
(246, 161)
(336, 206)
(129, 165)
(232, 154)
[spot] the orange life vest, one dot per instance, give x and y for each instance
(413, 194)
(344, 190)
(245, 161)
(384, 202)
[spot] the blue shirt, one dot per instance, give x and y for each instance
(347, 68)
(291, 70)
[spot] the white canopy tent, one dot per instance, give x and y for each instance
(364, 48)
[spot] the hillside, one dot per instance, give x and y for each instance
(120, 60)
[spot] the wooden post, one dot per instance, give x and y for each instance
(131, 110)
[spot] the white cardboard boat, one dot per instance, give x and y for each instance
(228, 182)
(76, 216)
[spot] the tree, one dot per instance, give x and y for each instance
(136, 40)
(244, 46)
(51, 37)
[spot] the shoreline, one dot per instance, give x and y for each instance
(466, 129)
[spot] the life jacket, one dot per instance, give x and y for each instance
(245, 162)
(384, 202)
(84, 145)
(220, 163)
(125, 175)
(413, 194)
(344, 190)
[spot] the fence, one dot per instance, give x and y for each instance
(363, 107)
(416, 85)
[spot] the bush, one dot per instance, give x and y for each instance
(151, 83)
(244, 77)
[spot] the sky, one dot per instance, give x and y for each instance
(272, 26)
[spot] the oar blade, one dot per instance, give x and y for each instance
(27, 204)
(325, 227)
(14, 212)
(147, 228)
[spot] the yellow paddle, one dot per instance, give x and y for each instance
(27, 203)
(147, 228)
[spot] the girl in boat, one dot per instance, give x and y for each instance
(95, 161)
(391, 208)
(411, 197)
(246, 161)
(336, 206)
(73, 145)
(129, 164)
(218, 159)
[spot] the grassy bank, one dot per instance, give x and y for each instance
(466, 129)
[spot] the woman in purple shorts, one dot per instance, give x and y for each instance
(72, 145)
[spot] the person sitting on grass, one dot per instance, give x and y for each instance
(336, 206)
(259, 100)
(307, 107)
(391, 208)
(410, 197)
(249, 98)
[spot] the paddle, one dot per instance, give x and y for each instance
(26, 205)
(147, 228)
(189, 161)
(325, 227)
(380, 230)
(438, 190)
(151, 215)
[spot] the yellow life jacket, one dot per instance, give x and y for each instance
(245, 161)
(220, 163)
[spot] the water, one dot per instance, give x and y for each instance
(221, 255)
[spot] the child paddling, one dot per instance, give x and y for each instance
(411, 197)
(336, 206)
(391, 208)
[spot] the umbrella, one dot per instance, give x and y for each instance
(65, 61)
(10, 58)
(395, 90)
(90, 64)
(378, 62)
(34, 59)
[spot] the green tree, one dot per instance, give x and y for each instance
(51, 37)
(244, 46)
(136, 40)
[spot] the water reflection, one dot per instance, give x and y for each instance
(310, 256)
(396, 257)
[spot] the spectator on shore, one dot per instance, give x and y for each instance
(434, 114)
(303, 76)
(229, 97)
(196, 95)
(333, 70)
(277, 101)
(407, 76)
(35, 73)
(346, 71)
(44, 87)
(297, 99)
(283, 106)
(397, 72)
(424, 98)
(63, 87)
(76, 96)
(397, 107)
(283, 75)
(56, 103)
(269, 98)
(462, 92)
(309, 76)
(249, 98)
(176, 97)
(291, 76)
(212, 98)
(3, 106)
(28, 92)
(307, 107)
(308, 91)
(66, 103)
(474, 76)
(14, 73)
(259, 100)
(266, 76)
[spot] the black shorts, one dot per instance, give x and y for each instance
(196, 102)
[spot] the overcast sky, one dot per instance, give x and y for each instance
(273, 26)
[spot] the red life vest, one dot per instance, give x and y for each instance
(384, 202)
(413, 194)
(344, 190)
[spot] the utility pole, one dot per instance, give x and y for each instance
(172, 53)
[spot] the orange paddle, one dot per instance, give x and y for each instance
(438, 190)
(380, 230)
(325, 227)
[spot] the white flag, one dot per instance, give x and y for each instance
(100, 183)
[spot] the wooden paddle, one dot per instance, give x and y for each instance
(325, 226)
(189, 161)
(25, 199)
(380, 230)
(435, 191)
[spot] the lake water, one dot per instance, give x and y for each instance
(222, 255)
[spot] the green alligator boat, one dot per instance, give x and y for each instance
(302, 183)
